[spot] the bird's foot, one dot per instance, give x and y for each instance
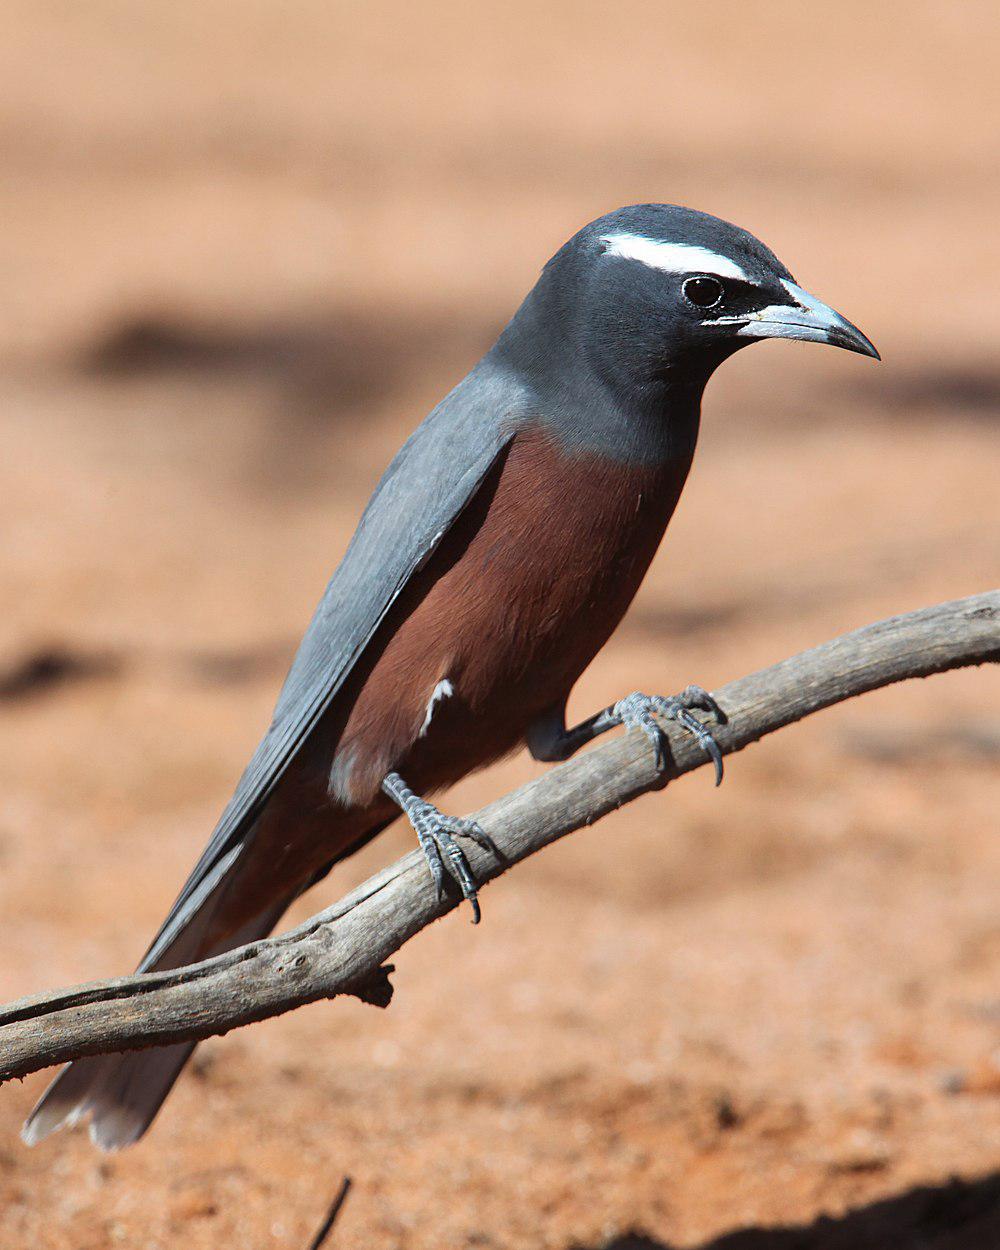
(640, 711)
(436, 834)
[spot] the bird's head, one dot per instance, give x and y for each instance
(656, 294)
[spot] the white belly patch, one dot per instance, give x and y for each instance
(441, 691)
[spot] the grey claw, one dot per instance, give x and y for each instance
(432, 854)
(708, 744)
(460, 868)
(636, 711)
(472, 829)
(436, 834)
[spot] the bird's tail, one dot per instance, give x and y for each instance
(122, 1093)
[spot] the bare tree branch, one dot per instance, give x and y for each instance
(342, 950)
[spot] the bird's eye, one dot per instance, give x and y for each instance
(703, 292)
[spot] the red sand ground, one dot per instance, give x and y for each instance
(247, 248)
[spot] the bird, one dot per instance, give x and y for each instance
(495, 558)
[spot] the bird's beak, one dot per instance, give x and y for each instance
(809, 319)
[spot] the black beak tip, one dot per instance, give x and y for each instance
(869, 349)
(854, 341)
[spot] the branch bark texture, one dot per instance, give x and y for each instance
(343, 949)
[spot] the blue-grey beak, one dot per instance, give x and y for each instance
(808, 319)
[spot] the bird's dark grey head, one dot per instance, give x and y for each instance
(654, 297)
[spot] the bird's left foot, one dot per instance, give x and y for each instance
(640, 711)
(436, 834)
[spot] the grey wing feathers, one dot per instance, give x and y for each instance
(431, 479)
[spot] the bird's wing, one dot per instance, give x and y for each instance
(428, 484)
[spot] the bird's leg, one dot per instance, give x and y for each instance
(436, 834)
(549, 740)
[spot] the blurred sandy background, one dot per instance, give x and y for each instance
(245, 247)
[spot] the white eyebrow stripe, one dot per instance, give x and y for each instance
(672, 257)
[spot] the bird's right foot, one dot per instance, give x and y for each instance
(436, 834)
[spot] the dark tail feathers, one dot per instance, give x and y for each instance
(122, 1093)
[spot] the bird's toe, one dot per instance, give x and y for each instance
(699, 698)
(640, 711)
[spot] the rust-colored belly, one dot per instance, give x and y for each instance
(522, 594)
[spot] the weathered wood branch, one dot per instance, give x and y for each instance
(343, 949)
